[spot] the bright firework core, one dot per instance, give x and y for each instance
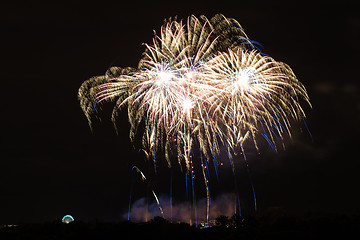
(164, 77)
(243, 79)
(187, 104)
(190, 75)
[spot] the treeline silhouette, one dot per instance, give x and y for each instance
(265, 226)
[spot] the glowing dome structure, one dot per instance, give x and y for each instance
(67, 219)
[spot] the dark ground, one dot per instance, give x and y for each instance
(272, 226)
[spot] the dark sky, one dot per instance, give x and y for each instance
(52, 164)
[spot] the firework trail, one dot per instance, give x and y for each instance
(205, 172)
(143, 179)
(200, 83)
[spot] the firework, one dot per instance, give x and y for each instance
(200, 83)
(168, 91)
(253, 95)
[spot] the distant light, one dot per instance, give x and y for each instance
(67, 219)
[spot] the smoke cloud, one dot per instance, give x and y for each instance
(143, 210)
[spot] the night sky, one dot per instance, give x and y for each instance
(52, 164)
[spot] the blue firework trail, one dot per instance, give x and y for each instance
(131, 189)
(308, 130)
(186, 185)
(215, 163)
(237, 200)
(171, 195)
(250, 177)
